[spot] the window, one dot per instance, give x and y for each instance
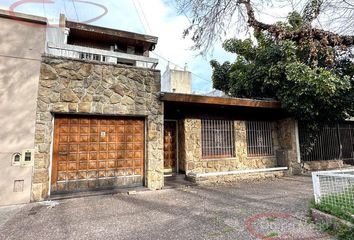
(259, 138)
(217, 138)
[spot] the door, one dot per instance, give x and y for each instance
(97, 153)
(170, 146)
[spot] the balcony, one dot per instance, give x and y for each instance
(93, 54)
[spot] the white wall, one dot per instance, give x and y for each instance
(21, 47)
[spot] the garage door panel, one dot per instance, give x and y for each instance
(92, 156)
(92, 174)
(83, 157)
(73, 138)
(71, 157)
(94, 146)
(93, 165)
(95, 152)
(84, 138)
(63, 138)
(82, 175)
(83, 165)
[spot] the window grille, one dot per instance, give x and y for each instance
(217, 138)
(331, 142)
(259, 138)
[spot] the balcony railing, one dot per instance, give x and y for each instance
(93, 54)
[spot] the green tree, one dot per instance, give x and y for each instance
(313, 85)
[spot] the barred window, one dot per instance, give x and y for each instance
(217, 138)
(259, 138)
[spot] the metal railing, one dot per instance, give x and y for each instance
(217, 138)
(334, 188)
(93, 54)
(332, 142)
(259, 138)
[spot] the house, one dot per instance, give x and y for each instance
(93, 117)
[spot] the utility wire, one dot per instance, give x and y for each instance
(146, 21)
(23, 58)
(77, 15)
(140, 18)
(44, 11)
(65, 10)
(159, 55)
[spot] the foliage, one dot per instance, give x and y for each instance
(342, 231)
(283, 70)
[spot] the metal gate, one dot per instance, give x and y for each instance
(332, 142)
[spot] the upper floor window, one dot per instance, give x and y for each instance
(259, 138)
(217, 138)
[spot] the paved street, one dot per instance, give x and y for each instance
(245, 210)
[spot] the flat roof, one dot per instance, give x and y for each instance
(22, 17)
(225, 101)
(112, 32)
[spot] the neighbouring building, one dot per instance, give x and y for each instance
(177, 81)
(82, 109)
(21, 46)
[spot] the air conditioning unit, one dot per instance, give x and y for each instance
(281, 158)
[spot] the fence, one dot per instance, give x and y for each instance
(332, 142)
(335, 188)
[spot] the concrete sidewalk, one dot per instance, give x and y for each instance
(245, 210)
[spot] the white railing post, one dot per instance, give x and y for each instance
(316, 186)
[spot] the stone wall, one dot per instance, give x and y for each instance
(287, 129)
(191, 150)
(207, 180)
(82, 87)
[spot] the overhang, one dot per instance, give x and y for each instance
(108, 33)
(221, 101)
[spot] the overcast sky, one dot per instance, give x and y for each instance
(153, 17)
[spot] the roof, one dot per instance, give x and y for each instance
(22, 17)
(225, 101)
(111, 32)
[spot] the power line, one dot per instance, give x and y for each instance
(148, 25)
(65, 10)
(44, 11)
(77, 15)
(141, 20)
(23, 58)
(142, 11)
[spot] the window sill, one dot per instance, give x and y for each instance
(220, 158)
(261, 156)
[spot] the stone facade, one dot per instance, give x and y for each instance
(287, 130)
(221, 179)
(190, 150)
(322, 165)
(82, 87)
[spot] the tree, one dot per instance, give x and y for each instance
(210, 19)
(308, 69)
(278, 70)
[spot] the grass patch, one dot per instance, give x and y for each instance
(270, 219)
(272, 234)
(338, 211)
(342, 232)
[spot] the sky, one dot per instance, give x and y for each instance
(154, 17)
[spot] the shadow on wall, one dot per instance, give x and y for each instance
(18, 83)
(21, 47)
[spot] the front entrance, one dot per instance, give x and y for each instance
(92, 152)
(170, 147)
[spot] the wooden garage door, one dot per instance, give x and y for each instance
(97, 152)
